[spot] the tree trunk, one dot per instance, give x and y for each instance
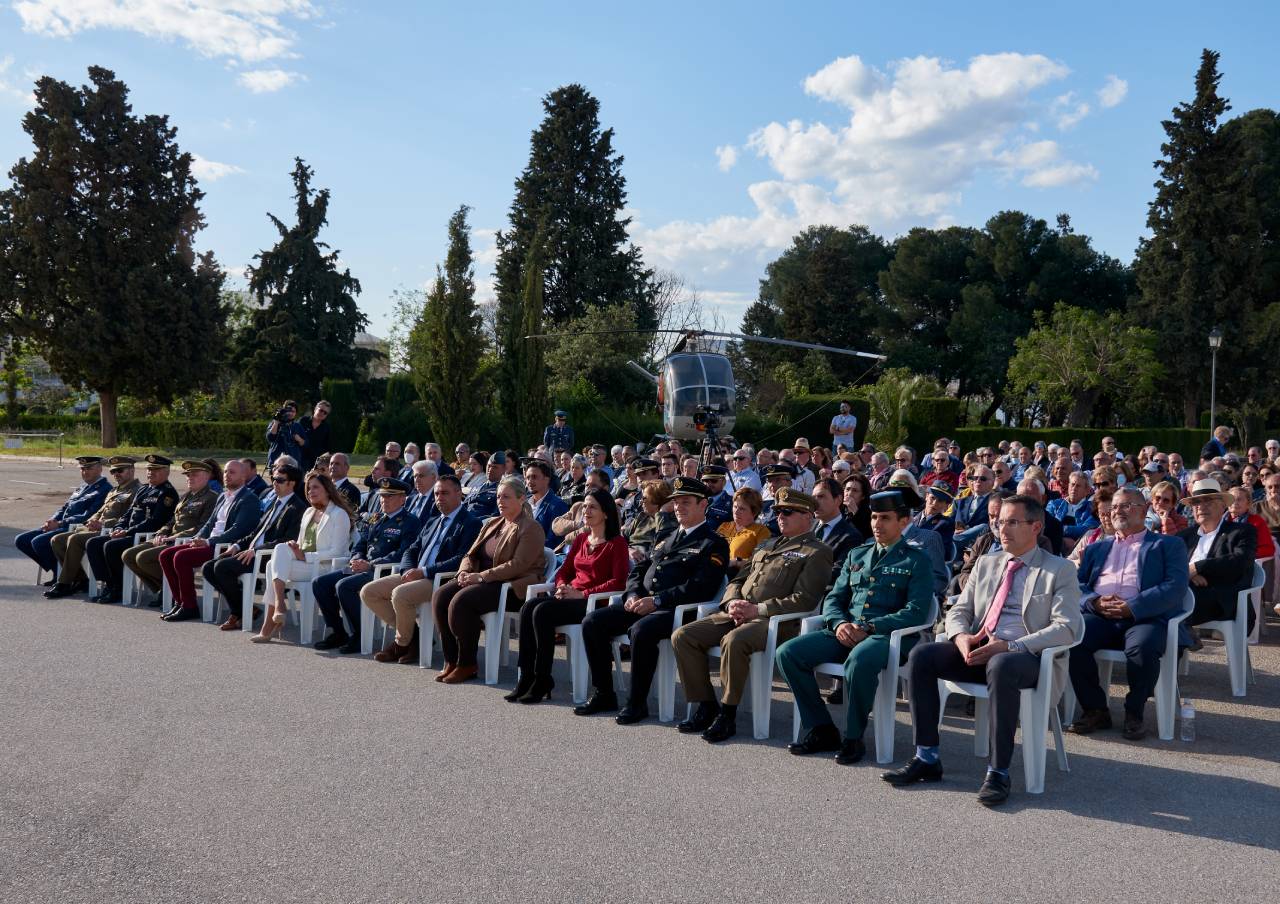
(987, 415)
(1191, 413)
(1082, 408)
(107, 412)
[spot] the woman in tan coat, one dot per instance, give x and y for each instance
(509, 549)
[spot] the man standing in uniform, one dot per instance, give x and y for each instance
(87, 498)
(69, 545)
(783, 577)
(883, 586)
(152, 508)
(558, 437)
(685, 568)
(192, 512)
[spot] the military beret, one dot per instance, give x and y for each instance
(157, 461)
(689, 486)
(891, 501)
(498, 458)
(646, 464)
(189, 466)
(941, 491)
(392, 486)
(781, 469)
(90, 459)
(714, 471)
(794, 500)
(117, 461)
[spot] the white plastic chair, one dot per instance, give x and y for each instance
(884, 713)
(1255, 599)
(210, 600)
(130, 591)
(1235, 635)
(1036, 713)
(307, 608)
(249, 586)
(369, 621)
(427, 622)
(574, 648)
(1166, 692)
(665, 674)
(497, 625)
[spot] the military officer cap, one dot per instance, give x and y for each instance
(941, 491)
(793, 500)
(893, 500)
(781, 469)
(87, 460)
(157, 461)
(392, 486)
(122, 461)
(646, 464)
(715, 471)
(910, 494)
(561, 413)
(689, 486)
(189, 466)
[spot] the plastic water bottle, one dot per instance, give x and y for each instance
(1188, 720)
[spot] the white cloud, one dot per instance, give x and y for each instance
(726, 157)
(211, 170)
(9, 89)
(1113, 91)
(248, 31)
(264, 81)
(1068, 110)
(917, 134)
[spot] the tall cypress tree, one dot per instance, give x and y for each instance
(447, 342)
(527, 411)
(305, 327)
(97, 260)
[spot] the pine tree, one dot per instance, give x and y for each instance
(447, 342)
(305, 327)
(97, 235)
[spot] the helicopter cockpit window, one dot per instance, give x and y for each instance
(718, 371)
(685, 370)
(688, 401)
(720, 397)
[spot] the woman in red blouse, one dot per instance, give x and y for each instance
(597, 563)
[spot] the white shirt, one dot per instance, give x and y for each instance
(1206, 541)
(804, 481)
(845, 424)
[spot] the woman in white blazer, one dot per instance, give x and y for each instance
(325, 532)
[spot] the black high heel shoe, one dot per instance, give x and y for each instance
(541, 690)
(523, 686)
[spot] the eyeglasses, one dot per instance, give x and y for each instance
(119, 470)
(1126, 506)
(902, 458)
(741, 458)
(1010, 522)
(983, 479)
(781, 512)
(1103, 483)
(279, 479)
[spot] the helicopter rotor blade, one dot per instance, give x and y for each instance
(599, 333)
(794, 344)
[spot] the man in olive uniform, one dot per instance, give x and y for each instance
(783, 576)
(192, 512)
(69, 547)
(687, 567)
(884, 585)
(152, 508)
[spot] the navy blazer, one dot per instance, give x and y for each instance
(1162, 577)
(547, 510)
(81, 504)
(460, 537)
(241, 520)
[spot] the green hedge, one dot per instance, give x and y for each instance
(808, 416)
(929, 418)
(162, 433)
(1187, 441)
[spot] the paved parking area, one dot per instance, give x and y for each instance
(149, 762)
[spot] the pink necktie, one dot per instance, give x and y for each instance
(997, 604)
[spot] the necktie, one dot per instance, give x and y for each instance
(877, 555)
(266, 525)
(1002, 595)
(429, 550)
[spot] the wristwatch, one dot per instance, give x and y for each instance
(1015, 646)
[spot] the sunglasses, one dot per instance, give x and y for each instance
(118, 470)
(279, 479)
(1103, 483)
(782, 512)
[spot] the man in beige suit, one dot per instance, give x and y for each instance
(1018, 602)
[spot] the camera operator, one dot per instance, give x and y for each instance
(285, 436)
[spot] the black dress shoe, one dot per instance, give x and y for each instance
(50, 582)
(995, 790)
(722, 729)
(1133, 730)
(110, 599)
(701, 719)
(630, 715)
(597, 703)
(183, 615)
(851, 751)
(822, 739)
(351, 646)
(58, 591)
(333, 641)
(541, 690)
(522, 687)
(916, 770)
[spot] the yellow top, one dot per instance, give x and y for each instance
(742, 540)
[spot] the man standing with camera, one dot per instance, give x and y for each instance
(285, 436)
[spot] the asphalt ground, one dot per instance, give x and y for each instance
(149, 762)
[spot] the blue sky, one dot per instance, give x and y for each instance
(740, 123)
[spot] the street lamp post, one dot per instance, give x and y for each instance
(1215, 342)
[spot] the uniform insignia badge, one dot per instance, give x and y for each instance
(717, 561)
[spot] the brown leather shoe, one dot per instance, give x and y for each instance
(446, 671)
(231, 624)
(461, 673)
(1090, 720)
(410, 655)
(390, 653)
(1133, 729)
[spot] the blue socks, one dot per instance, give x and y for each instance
(927, 754)
(1003, 773)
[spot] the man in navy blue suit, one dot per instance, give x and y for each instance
(83, 502)
(439, 547)
(1131, 585)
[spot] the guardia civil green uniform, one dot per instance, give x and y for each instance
(879, 590)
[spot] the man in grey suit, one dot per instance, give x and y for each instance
(1017, 603)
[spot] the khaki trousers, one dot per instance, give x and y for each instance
(691, 643)
(68, 546)
(396, 603)
(144, 561)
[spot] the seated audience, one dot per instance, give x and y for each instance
(856, 495)
(831, 526)
(743, 532)
(1164, 517)
(1074, 509)
(1221, 551)
(339, 468)
(546, 505)
(192, 512)
(72, 533)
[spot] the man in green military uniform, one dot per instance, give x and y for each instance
(189, 516)
(69, 547)
(783, 577)
(884, 585)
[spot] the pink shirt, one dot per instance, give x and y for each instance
(1119, 575)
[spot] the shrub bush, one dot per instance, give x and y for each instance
(929, 418)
